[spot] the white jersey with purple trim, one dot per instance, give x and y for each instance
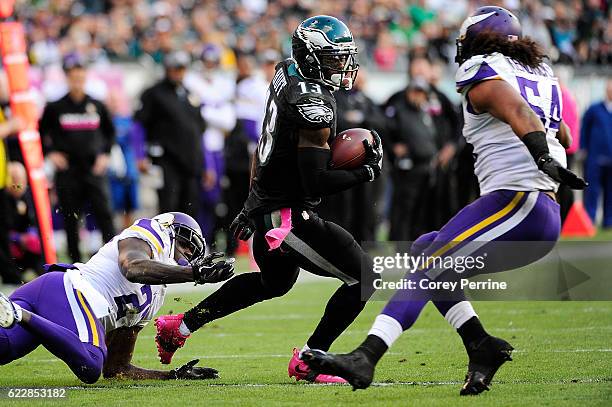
(130, 304)
(502, 160)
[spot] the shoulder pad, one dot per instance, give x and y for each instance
(479, 68)
(315, 111)
(149, 231)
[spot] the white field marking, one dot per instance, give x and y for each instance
(274, 317)
(246, 356)
(376, 384)
(287, 355)
(562, 351)
(412, 331)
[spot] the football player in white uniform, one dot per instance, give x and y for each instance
(512, 108)
(89, 315)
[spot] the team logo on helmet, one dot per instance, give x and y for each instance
(324, 50)
(491, 19)
(184, 229)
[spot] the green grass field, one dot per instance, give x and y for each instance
(563, 357)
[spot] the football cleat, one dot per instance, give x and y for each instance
(355, 367)
(486, 358)
(301, 371)
(169, 339)
(8, 313)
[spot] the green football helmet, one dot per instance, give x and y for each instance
(324, 51)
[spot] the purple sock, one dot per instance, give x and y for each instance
(406, 304)
(405, 312)
(401, 307)
(84, 359)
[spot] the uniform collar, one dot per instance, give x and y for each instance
(85, 99)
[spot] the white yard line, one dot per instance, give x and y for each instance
(288, 355)
(376, 384)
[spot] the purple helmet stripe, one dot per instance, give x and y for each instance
(486, 19)
(146, 224)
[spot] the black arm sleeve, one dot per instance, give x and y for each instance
(318, 180)
(536, 144)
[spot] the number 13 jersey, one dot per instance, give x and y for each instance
(502, 160)
(292, 103)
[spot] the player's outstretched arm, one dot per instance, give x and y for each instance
(313, 161)
(502, 101)
(120, 344)
(137, 265)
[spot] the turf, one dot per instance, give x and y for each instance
(563, 357)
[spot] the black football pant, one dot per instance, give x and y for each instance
(79, 189)
(318, 246)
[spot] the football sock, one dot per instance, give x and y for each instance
(404, 310)
(84, 359)
(373, 347)
(341, 310)
(240, 292)
(183, 329)
(472, 332)
(456, 313)
(406, 304)
(386, 328)
(305, 348)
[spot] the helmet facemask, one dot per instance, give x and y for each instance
(337, 69)
(330, 61)
(191, 244)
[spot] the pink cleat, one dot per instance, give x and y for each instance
(169, 339)
(300, 370)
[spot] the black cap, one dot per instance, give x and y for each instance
(73, 60)
(177, 59)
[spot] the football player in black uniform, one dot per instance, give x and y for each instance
(289, 175)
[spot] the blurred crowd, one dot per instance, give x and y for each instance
(185, 143)
(574, 31)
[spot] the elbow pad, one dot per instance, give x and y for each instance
(318, 180)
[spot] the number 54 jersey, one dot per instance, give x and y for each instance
(502, 160)
(292, 103)
(130, 304)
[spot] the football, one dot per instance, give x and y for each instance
(347, 148)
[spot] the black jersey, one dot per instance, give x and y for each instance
(292, 103)
(81, 129)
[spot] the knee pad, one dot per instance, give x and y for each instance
(90, 371)
(5, 349)
(88, 375)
